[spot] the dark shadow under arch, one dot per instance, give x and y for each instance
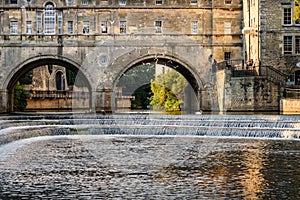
(41, 62)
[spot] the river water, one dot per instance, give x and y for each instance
(150, 167)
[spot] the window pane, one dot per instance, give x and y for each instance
(158, 2)
(104, 27)
(28, 27)
(50, 18)
(158, 26)
(122, 26)
(84, 2)
(195, 27)
(14, 27)
(297, 45)
(288, 45)
(60, 22)
(70, 27)
(287, 16)
(39, 22)
(86, 28)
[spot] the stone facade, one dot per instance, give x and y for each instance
(102, 39)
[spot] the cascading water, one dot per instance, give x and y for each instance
(149, 157)
(193, 125)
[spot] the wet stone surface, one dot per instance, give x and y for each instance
(120, 167)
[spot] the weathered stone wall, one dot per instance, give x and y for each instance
(272, 34)
(103, 57)
(247, 93)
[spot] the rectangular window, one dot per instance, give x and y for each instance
(86, 28)
(60, 22)
(13, 1)
(227, 58)
(70, 27)
(28, 27)
(122, 26)
(227, 1)
(195, 27)
(158, 26)
(227, 27)
(297, 44)
(39, 22)
(84, 2)
(287, 16)
(104, 27)
(194, 2)
(287, 44)
(14, 27)
(122, 2)
(158, 2)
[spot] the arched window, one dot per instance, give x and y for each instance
(59, 79)
(49, 19)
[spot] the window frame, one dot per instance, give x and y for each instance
(28, 30)
(287, 45)
(13, 27)
(123, 27)
(158, 26)
(104, 27)
(195, 27)
(49, 19)
(86, 28)
(288, 18)
(70, 27)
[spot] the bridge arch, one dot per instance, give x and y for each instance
(37, 61)
(183, 67)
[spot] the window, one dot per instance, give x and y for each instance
(13, 1)
(158, 2)
(86, 28)
(228, 1)
(287, 45)
(227, 27)
(28, 27)
(50, 19)
(227, 58)
(104, 27)
(122, 26)
(39, 22)
(287, 16)
(70, 1)
(195, 27)
(60, 22)
(194, 2)
(297, 44)
(70, 27)
(158, 26)
(14, 27)
(84, 2)
(122, 2)
(103, 59)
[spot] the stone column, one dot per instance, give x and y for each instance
(3, 101)
(103, 101)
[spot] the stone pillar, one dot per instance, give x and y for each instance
(103, 101)
(3, 101)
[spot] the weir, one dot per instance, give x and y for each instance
(264, 126)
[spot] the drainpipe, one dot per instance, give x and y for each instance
(258, 38)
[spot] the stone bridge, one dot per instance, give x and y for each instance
(101, 61)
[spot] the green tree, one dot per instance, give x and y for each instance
(20, 97)
(168, 91)
(297, 10)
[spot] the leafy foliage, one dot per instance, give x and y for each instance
(20, 97)
(297, 10)
(168, 91)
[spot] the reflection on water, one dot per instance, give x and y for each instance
(148, 167)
